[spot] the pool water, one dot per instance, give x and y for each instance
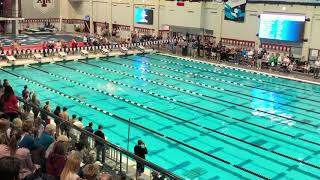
(199, 121)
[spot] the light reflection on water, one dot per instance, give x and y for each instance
(270, 107)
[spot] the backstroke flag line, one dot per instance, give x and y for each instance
(235, 10)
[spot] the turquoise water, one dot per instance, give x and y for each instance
(199, 121)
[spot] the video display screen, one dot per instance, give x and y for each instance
(285, 27)
(143, 16)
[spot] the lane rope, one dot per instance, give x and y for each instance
(175, 100)
(200, 94)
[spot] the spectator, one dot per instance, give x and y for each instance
(56, 160)
(317, 68)
(1, 88)
(9, 168)
(26, 97)
(65, 116)
(57, 121)
(16, 126)
(9, 103)
(79, 123)
(62, 138)
(36, 102)
(99, 145)
(58, 45)
(47, 137)
(73, 120)
(90, 172)
(44, 116)
(71, 168)
(27, 140)
(140, 150)
(25, 92)
(5, 83)
(84, 137)
(8, 147)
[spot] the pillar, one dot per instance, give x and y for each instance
(15, 14)
(91, 18)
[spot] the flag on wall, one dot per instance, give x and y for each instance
(235, 10)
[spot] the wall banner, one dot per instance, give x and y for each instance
(235, 10)
(44, 6)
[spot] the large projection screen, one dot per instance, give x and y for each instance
(284, 27)
(143, 16)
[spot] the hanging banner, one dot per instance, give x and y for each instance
(235, 10)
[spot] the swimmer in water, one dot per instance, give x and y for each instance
(110, 87)
(191, 75)
(81, 97)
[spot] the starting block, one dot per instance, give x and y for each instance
(105, 52)
(124, 50)
(11, 59)
(37, 57)
(62, 54)
(84, 53)
(141, 48)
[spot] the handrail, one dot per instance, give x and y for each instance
(115, 147)
(10, 13)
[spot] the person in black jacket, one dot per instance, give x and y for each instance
(100, 146)
(140, 150)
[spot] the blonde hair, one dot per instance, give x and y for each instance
(34, 98)
(71, 167)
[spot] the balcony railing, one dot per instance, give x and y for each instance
(10, 13)
(117, 158)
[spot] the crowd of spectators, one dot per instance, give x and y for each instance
(32, 147)
(194, 46)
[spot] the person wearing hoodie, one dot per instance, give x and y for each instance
(56, 160)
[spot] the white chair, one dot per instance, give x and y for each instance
(37, 57)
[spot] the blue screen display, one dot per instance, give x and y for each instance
(143, 16)
(282, 27)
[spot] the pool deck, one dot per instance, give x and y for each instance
(308, 78)
(303, 77)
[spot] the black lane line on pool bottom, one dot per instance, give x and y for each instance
(173, 116)
(218, 79)
(203, 95)
(228, 74)
(215, 88)
(135, 124)
(175, 100)
(157, 83)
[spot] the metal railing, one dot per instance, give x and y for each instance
(10, 13)
(117, 158)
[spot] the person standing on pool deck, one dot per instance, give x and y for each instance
(100, 146)
(140, 150)
(25, 92)
(65, 116)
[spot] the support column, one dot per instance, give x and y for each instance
(15, 13)
(157, 25)
(91, 18)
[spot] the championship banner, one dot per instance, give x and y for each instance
(235, 10)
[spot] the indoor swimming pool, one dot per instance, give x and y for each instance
(199, 121)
